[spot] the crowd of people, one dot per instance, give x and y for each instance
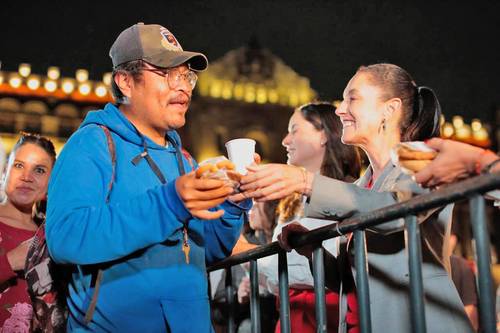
(135, 228)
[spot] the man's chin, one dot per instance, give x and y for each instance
(173, 125)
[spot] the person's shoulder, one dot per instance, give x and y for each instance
(88, 141)
(86, 136)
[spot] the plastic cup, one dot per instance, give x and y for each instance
(241, 152)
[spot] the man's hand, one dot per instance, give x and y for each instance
(275, 181)
(201, 194)
(17, 256)
(455, 161)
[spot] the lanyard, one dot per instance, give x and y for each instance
(152, 164)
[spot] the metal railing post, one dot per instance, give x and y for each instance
(231, 325)
(414, 246)
(283, 292)
(362, 290)
(485, 284)
(254, 297)
(319, 288)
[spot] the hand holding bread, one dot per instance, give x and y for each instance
(219, 168)
(412, 156)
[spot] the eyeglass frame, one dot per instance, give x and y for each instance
(164, 72)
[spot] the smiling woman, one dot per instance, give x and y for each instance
(25, 183)
(382, 106)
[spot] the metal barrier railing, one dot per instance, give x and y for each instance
(471, 189)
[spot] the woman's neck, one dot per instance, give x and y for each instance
(379, 154)
(19, 217)
(313, 166)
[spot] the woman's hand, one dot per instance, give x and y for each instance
(17, 256)
(201, 194)
(275, 181)
(294, 228)
(240, 196)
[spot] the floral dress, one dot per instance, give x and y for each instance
(15, 305)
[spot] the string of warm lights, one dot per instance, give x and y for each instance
(475, 133)
(79, 87)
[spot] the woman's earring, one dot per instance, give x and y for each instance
(382, 126)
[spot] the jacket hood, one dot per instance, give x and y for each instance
(113, 118)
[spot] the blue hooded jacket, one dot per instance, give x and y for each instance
(136, 238)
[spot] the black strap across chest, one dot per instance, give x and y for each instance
(152, 164)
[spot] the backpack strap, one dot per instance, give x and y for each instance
(96, 282)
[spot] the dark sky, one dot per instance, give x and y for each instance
(443, 44)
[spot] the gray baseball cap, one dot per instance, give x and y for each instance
(156, 45)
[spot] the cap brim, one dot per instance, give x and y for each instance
(197, 61)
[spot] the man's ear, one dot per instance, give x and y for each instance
(125, 82)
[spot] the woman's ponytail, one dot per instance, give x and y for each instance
(425, 117)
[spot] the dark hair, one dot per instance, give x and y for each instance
(342, 162)
(421, 109)
(134, 68)
(38, 140)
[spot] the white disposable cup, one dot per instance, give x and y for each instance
(241, 152)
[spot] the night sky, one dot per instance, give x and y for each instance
(447, 46)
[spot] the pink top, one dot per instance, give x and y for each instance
(15, 303)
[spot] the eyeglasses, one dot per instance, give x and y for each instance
(174, 76)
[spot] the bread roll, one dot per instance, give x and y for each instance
(205, 169)
(225, 164)
(406, 153)
(414, 165)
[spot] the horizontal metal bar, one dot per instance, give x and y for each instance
(443, 196)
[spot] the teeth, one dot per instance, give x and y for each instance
(348, 123)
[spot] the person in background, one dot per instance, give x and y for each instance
(313, 143)
(382, 107)
(24, 182)
(257, 231)
(125, 207)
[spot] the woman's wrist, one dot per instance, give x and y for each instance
(306, 182)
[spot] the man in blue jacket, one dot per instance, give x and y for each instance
(139, 231)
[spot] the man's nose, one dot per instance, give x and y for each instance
(184, 85)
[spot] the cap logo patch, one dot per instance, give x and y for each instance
(169, 41)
